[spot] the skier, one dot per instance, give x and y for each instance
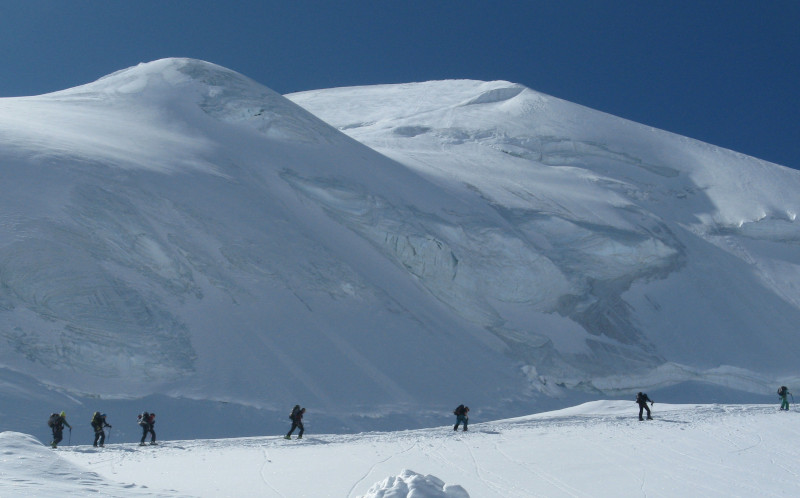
(297, 421)
(461, 416)
(642, 399)
(57, 421)
(147, 421)
(98, 424)
(782, 393)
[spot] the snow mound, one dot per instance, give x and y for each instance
(167, 115)
(220, 92)
(410, 484)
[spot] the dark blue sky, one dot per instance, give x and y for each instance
(725, 72)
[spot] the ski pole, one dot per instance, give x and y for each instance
(69, 441)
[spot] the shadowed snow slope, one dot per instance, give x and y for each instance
(178, 232)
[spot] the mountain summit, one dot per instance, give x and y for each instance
(176, 229)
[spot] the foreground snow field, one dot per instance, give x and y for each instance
(595, 449)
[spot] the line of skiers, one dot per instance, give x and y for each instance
(57, 421)
(642, 399)
(147, 420)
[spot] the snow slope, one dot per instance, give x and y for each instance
(597, 449)
(621, 249)
(176, 229)
(178, 238)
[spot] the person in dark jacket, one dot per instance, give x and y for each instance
(642, 400)
(783, 392)
(57, 422)
(98, 424)
(297, 422)
(462, 416)
(147, 421)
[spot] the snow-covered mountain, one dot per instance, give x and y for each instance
(620, 255)
(180, 236)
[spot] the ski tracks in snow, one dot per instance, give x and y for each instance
(541, 474)
(481, 472)
(378, 463)
(262, 473)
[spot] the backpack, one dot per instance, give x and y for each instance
(295, 410)
(459, 410)
(782, 391)
(143, 419)
(641, 398)
(51, 422)
(96, 420)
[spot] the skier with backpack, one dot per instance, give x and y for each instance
(147, 421)
(98, 424)
(461, 413)
(297, 422)
(56, 422)
(783, 391)
(642, 399)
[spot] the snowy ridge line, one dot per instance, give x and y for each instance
(591, 412)
(715, 449)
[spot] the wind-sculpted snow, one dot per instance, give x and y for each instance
(496, 95)
(30, 469)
